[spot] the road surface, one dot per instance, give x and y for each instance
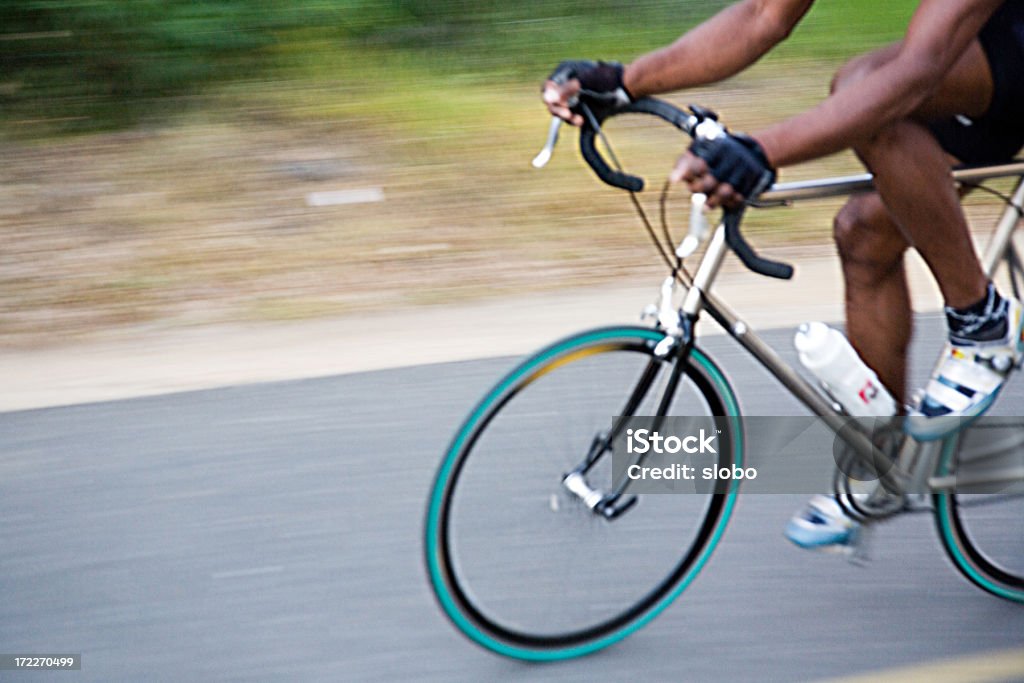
(272, 532)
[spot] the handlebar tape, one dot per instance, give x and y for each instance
(762, 266)
(606, 173)
(681, 120)
(588, 148)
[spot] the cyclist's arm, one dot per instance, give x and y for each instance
(938, 35)
(720, 47)
(723, 45)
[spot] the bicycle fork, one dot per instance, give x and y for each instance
(614, 503)
(675, 347)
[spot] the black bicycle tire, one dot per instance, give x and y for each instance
(972, 561)
(454, 598)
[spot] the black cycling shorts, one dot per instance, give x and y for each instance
(998, 134)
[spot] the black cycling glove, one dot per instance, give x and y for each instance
(600, 82)
(736, 159)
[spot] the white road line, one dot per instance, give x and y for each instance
(241, 573)
(340, 197)
(1002, 665)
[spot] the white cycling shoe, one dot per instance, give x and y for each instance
(967, 380)
(963, 386)
(822, 525)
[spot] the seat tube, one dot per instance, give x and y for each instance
(996, 247)
(706, 273)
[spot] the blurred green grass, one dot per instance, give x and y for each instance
(72, 66)
(181, 200)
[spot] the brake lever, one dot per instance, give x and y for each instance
(542, 159)
(699, 226)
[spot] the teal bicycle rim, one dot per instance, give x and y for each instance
(532, 365)
(951, 538)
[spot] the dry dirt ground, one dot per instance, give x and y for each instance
(208, 219)
(179, 251)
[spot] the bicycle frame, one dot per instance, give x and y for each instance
(699, 298)
(668, 355)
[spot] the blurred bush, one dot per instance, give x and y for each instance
(433, 100)
(108, 63)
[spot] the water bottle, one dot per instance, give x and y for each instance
(828, 355)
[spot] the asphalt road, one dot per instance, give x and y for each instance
(272, 532)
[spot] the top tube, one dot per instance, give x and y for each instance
(786, 193)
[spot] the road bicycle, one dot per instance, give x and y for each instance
(537, 549)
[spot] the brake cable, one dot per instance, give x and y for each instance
(667, 250)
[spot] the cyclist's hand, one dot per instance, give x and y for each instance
(729, 169)
(599, 84)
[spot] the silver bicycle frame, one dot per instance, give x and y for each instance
(913, 459)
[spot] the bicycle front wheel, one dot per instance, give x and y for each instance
(981, 522)
(523, 567)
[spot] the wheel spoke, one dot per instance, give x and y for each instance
(523, 572)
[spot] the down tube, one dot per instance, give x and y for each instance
(859, 441)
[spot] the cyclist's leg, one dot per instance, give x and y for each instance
(878, 324)
(910, 160)
(916, 204)
(912, 172)
(871, 239)
(878, 313)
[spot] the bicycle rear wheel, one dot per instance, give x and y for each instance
(520, 565)
(982, 525)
